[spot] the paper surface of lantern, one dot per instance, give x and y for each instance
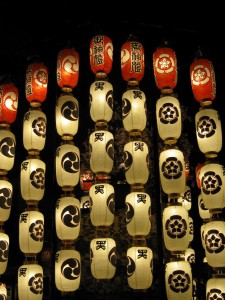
(203, 82)
(103, 258)
(168, 117)
(165, 69)
(102, 196)
(178, 278)
(6, 193)
(67, 270)
(7, 150)
(185, 198)
(67, 116)
(189, 255)
(8, 103)
(138, 213)
(208, 132)
(3, 291)
(134, 110)
(203, 211)
(4, 251)
(30, 282)
(176, 228)
(140, 267)
(67, 218)
(68, 61)
(215, 288)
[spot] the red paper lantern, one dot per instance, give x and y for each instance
(67, 69)
(8, 103)
(197, 172)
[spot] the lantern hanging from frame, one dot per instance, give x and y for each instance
(6, 193)
(189, 255)
(203, 211)
(215, 288)
(185, 198)
(4, 250)
(7, 150)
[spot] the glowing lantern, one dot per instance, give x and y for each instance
(140, 267)
(165, 69)
(4, 251)
(85, 202)
(67, 270)
(31, 232)
(189, 255)
(7, 150)
(103, 258)
(132, 62)
(8, 103)
(6, 192)
(203, 81)
(215, 288)
(3, 291)
(67, 69)
(191, 229)
(185, 198)
(168, 117)
(138, 213)
(203, 211)
(202, 232)
(197, 173)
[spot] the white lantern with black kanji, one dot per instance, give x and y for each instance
(138, 213)
(139, 267)
(4, 251)
(6, 192)
(203, 211)
(189, 255)
(103, 258)
(185, 198)
(7, 150)
(215, 288)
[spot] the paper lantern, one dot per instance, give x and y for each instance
(172, 172)
(101, 55)
(30, 281)
(67, 166)
(168, 117)
(208, 132)
(175, 221)
(4, 251)
(67, 270)
(215, 288)
(101, 147)
(8, 103)
(132, 62)
(189, 255)
(101, 101)
(67, 218)
(31, 232)
(136, 162)
(138, 213)
(67, 69)
(202, 233)
(67, 116)
(191, 229)
(139, 267)
(86, 180)
(34, 131)
(185, 198)
(197, 173)
(85, 202)
(6, 193)
(36, 84)
(165, 69)
(203, 82)
(178, 278)
(102, 196)
(3, 291)
(103, 258)
(7, 150)
(134, 110)
(203, 211)
(32, 179)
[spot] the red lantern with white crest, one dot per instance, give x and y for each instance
(8, 103)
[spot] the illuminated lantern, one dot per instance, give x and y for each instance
(31, 232)
(212, 176)
(203, 211)
(102, 196)
(185, 198)
(67, 116)
(101, 146)
(4, 251)
(85, 202)
(132, 62)
(140, 267)
(138, 213)
(7, 151)
(197, 173)
(6, 192)
(172, 172)
(165, 69)
(168, 117)
(8, 103)
(67, 69)
(32, 179)
(101, 55)
(178, 278)
(136, 162)
(176, 228)
(67, 166)
(103, 258)
(67, 218)
(101, 101)
(67, 270)
(203, 81)
(214, 238)
(30, 281)
(36, 83)
(202, 232)
(208, 132)
(189, 255)
(134, 111)
(3, 291)
(34, 131)
(215, 288)
(191, 229)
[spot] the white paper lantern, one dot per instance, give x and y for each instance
(215, 288)
(67, 270)
(140, 267)
(6, 192)
(3, 291)
(185, 198)
(203, 211)
(103, 258)
(168, 117)
(67, 218)
(138, 213)
(85, 202)
(102, 197)
(31, 232)
(191, 229)
(4, 250)
(7, 150)
(189, 255)
(202, 233)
